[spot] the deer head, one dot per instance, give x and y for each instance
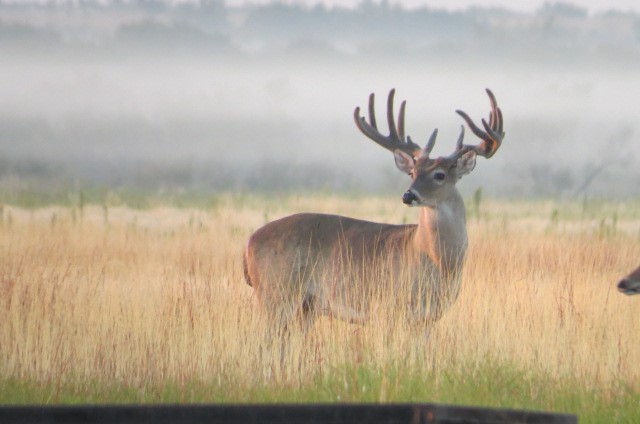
(433, 179)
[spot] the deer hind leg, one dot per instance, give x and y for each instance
(286, 317)
(308, 313)
(292, 312)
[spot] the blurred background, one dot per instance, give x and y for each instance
(206, 96)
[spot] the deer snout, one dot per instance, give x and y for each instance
(629, 287)
(622, 285)
(408, 197)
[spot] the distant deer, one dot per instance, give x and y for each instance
(630, 284)
(305, 264)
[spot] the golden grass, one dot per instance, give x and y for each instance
(154, 297)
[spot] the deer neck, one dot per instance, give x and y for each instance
(442, 234)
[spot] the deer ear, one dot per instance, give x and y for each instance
(404, 162)
(466, 163)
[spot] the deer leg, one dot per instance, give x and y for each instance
(345, 313)
(308, 313)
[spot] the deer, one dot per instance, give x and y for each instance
(305, 265)
(630, 284)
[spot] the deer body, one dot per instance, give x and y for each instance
(315, 252)
(317, 264)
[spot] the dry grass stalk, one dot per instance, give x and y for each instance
(158, 296)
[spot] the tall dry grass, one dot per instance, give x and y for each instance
(148, 298)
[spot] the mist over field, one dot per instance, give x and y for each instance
(208, 97)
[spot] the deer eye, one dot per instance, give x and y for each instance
(439, 176)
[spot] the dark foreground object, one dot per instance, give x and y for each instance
(274, 414)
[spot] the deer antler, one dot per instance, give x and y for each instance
(396, 139)
(491, 138)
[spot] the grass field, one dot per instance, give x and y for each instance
(103, 303)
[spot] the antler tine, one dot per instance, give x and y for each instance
(495, 117)
(372, 110)
(432, 142)
(396, 138)
(460, 138)
(401, 119)
(494, 107)
(491, 137)
(472, 126)
(393, 131)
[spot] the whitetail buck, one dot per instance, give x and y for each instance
(313, 264)
(631, 283)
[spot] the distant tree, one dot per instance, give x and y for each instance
(155, 34)
(20, 34)
(563, 10)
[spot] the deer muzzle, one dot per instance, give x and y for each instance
(408, 197)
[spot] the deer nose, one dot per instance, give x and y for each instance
(623, 285)
(408, 197)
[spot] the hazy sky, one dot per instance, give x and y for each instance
(593, 6)
(521, 5)
(148, 112)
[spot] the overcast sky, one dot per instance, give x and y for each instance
(593, 6)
